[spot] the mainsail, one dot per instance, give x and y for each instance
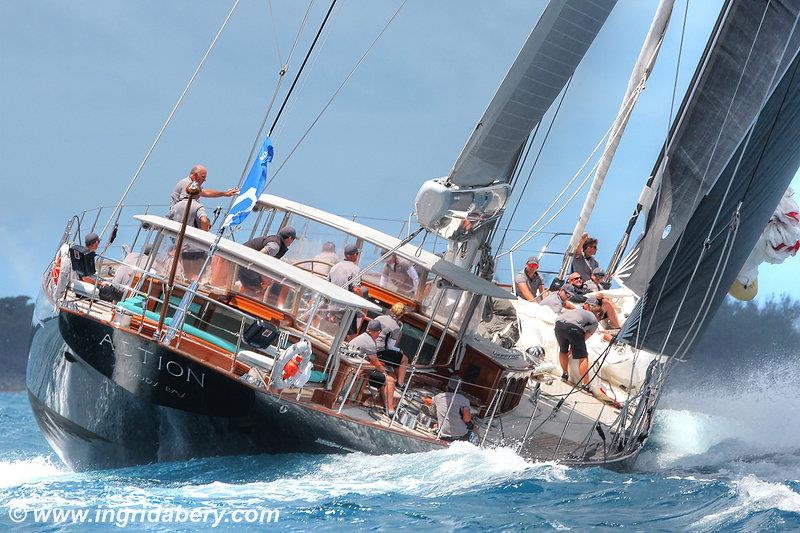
(476, 190)
(730, 156)
(548, 58)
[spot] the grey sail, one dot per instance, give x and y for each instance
(548, 58)
(744, 59)
(736, 196)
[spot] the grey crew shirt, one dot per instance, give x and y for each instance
(532, 283)
(344, 274)
(584, 266)
(196, 213)
(453, 425)
(390, 329)
(364, 344)
(579, 317)
(554, 302)
(179, 192)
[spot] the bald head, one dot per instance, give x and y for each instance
(198, 174)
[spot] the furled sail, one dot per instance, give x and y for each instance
(476, 189)
(731, 156)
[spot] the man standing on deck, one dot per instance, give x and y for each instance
(367, 345)
(192, 255)
(198, 175)
(573, 328)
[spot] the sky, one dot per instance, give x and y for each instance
(87, 84)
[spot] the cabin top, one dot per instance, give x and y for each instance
(422, 259)
(262, 263)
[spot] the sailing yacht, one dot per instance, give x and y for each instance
(190, 365)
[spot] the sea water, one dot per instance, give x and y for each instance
(718, 459)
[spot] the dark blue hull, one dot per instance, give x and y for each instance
(105, 398)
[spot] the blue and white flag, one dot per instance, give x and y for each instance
(252, 187)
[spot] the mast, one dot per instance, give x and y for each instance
(641, 71)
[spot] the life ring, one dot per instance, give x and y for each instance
(293, 368)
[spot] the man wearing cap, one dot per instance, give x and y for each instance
(192, 255)
(603, 308)
(323, 261)
(68, 272)
(388, 351)
(453, 414)
(345, 273)
(529, 282)
(573, 327)
(558, 300)
(367, 345)
(584, 261)
(197, 174)
(276, 246)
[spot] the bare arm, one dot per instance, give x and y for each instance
(522, 290)
(213, 193)
(579, 247)
(204, 224)
(374, 361)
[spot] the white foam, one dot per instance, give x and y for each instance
(458, 469)
(13, 473)
(754, 495)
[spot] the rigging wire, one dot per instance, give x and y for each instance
(275, 35)
(533, 165)
(117, 211)
(335, 94)
(281, 73)
(302, 65)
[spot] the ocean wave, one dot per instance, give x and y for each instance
(29, 470)
(460, 469)
(752, 497)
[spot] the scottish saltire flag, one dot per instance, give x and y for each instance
(252, 187)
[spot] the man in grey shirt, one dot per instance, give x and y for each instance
(345, 273)
(388, 351)
(573, 327)
(558, 300)
(197, 174)
(529, 282)
(367, 346)
(192, 255)
(453, 414)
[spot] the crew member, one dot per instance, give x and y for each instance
(400, 274)
(345, 273)
(366, 344)
(323, 261)
(573, 328)
(273, 245)
(192, 255)
(558, 300)
(584, 261)
(388, 351)
(608, 310)
(529, 283)
(198, 175)
(455, 423)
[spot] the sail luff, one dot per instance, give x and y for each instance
(641, 71)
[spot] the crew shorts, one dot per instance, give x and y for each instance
(570, 336)
(391, 357)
